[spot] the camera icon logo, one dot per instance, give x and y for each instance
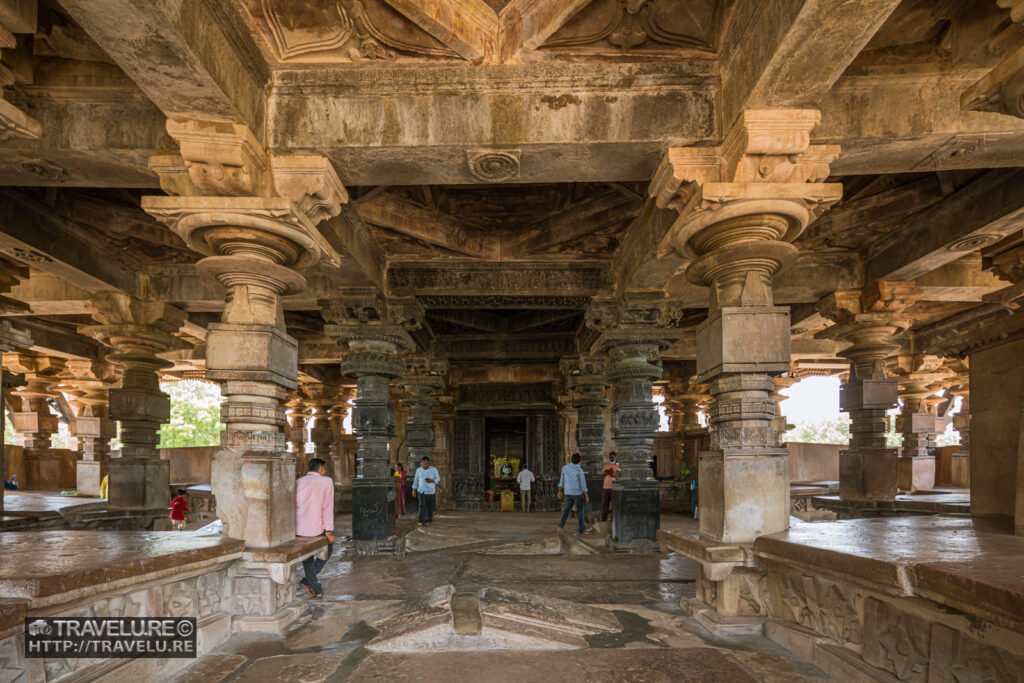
(39, 628)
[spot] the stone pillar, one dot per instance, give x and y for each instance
(138, 330)
(916, 380)
(341, 453)
(373, 360)
(254, 218)
(868, 319)
(296, 429)
(741, 205)
(34, 421)
(424, 378)
(961, 460)
(11, 339)
(586, 380)
(444, 419)
(633, 333)
(88, 383)
(781, 423)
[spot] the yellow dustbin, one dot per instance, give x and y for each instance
(508, 500)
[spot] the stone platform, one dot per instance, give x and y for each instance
(918, 598)
(42, 510)
(932, 502)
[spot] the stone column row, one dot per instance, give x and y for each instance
(868, 319)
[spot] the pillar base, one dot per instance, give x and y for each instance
(916, 473)
(744, 493)
(868, 474)
(373, 511)
(42, 471)
(89, 475)
(636, 516)
(139, 483)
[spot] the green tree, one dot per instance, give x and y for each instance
(195, 415)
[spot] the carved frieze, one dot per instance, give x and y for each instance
(500, 394)
(500, 279)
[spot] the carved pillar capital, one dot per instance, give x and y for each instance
(868, 318)
(14, 123)
(741, 204)
(34, 419)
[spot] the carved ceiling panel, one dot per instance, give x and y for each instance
(620, 27)
(494, 222)
(874, 206)
(342, 31)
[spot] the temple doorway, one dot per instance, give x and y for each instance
(505, 439)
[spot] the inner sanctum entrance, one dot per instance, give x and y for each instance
(498, 428)
(505, 439)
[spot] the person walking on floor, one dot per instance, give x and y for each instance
(398, 474)
(611, 470)
(424, 487)
(178, 509)
(573, 487)
(525, 480)
(314, 516)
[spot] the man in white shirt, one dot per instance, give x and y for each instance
(525, 480)
(424, 487)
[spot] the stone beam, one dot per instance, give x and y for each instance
(580, 219)
(518, 123)
(469, 27)
(789, 53)
(526, 24)
(524, 281)
(425, 225)
(52, 339)
(192, 59)
(890, 119)
(975, 216)
(88, 151)
(637, 264)
(364, 257)
(31, 232)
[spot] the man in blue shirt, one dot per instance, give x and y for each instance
(424, 486)
(573, 487)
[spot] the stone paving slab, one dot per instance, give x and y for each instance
(35, 564)
(655, 665)
(40, 503)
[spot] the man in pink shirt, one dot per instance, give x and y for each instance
(314, 516)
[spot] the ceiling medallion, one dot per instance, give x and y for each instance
(493, 166)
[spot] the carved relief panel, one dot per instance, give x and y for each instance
(333, 31)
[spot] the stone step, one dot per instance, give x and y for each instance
(466, 613)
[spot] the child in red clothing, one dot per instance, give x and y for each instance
(178, 510)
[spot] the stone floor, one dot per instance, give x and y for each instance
(531, 589)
